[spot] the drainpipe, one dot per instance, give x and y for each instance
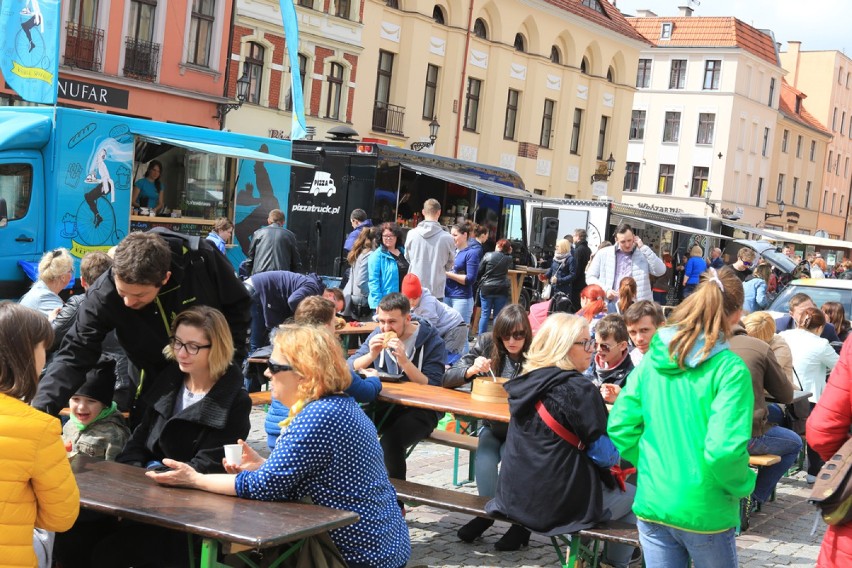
(228, 56)
(463, 74)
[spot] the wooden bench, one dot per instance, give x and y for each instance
(454, 440)
(474, 505)
(757, 462)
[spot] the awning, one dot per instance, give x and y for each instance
(470, 181)
(810, 240)
(230, 151)
(676, 227)
(773, 235)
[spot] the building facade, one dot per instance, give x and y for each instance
(704, 118)
(126, 57)
(826, 77)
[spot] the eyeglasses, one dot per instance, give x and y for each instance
(388, 236)
(605, 347)
(516, 335)
(191, 348)
(588, 345)
(277, 367)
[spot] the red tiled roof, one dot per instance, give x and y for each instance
(612, 20)
(787, 106)
(708, 32)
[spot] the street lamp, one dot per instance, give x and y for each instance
(707, 201)
(604, 171)
(243, 84)
(433, 135)
(781, 207)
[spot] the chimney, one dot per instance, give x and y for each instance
(645, 13)
(685, 11)
(794, 49)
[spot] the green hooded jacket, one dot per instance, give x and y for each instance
(687, 431)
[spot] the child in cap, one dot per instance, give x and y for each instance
(96, 427)
(447, 321)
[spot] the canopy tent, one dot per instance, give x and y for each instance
(470, 181)
(229, 151)
(676, 227)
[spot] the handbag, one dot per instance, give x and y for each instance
(546, 291)
(832, 492)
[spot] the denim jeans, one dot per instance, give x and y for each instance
(776, 414)
(259, 334)
(660, 297)
(491, 306)
(781, 442)
(488, 455)
(668, 547)
(464, 306)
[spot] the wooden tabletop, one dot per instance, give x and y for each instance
(122, 490)
(364, 328)
(442, 400)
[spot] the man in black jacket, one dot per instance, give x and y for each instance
(273, 247)
(582, 254)
(155, 276)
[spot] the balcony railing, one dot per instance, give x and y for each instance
(83, 46)
(141, 58)
(388, 118)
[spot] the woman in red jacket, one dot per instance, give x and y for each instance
(827, 430)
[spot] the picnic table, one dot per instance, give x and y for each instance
(355, 328)
(442, 400)
(122, 490)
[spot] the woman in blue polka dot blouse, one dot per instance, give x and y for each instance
(328, 451)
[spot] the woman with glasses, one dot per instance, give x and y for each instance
(504, 358)
(55, 271)
(328, 451)
(556, 477)
(386, 266)
(197, 404)
(693, 472)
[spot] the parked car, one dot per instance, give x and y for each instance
(821, 290)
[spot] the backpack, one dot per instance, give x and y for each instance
(832, 492)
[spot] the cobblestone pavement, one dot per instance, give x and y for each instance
(779, 534)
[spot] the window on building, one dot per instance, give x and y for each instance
(799, 141)
(795, 190)
(555, 56)
(765, 148)
(706, 128)
(576, 126)
(671, 129)
(546, 123)
(760, 200)
(677, 76)
(842, 121)
(384, 79)
(254, 66)
(779, 193)
(666, 30)
(335, 91)
(306, 3)
(666, 179)
(341, 8)
(584, 66)
(511, 114)
(602, 137)
(846, 167)
(712, 70)
(631, 176)
(828, 162)
(637, 125)
(594, 5)
(807, 195)
(471, 107)
(771, 91)
(834, 120)
(520, 43)
(813, 151)
(825, 201)
(142, 18)
(785, 138)
(438, 15)
(201, 31)
(699, 181)
(840, 210)
(479, 28)
(392, 4)
(837, 165)
(431, 91)
(643, 74)
(303, 67)
(798, 107)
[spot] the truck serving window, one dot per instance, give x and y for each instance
(16, 184)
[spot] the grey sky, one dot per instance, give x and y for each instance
(818, 24)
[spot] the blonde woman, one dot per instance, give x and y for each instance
(762, 326)
(55, 271)
(694, 472)
(563, 269)
(329, 451)
(557, 425)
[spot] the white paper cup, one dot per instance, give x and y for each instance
(234, 454)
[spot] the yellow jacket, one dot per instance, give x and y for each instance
(37, 487)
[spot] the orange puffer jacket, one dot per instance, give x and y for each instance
(37, 487)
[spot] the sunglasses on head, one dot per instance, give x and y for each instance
(277, 367)
(516, 335)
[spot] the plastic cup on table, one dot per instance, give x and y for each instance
(234, 454)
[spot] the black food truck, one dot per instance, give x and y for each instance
(391, 184)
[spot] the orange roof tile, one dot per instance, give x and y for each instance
(787, 106)
(708, 32)
(613, 19)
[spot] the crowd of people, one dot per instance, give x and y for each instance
(592, 375)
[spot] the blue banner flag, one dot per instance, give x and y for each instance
(291, 35)
(29, 38)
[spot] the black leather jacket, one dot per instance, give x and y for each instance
(494, 270)
(273, 248)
